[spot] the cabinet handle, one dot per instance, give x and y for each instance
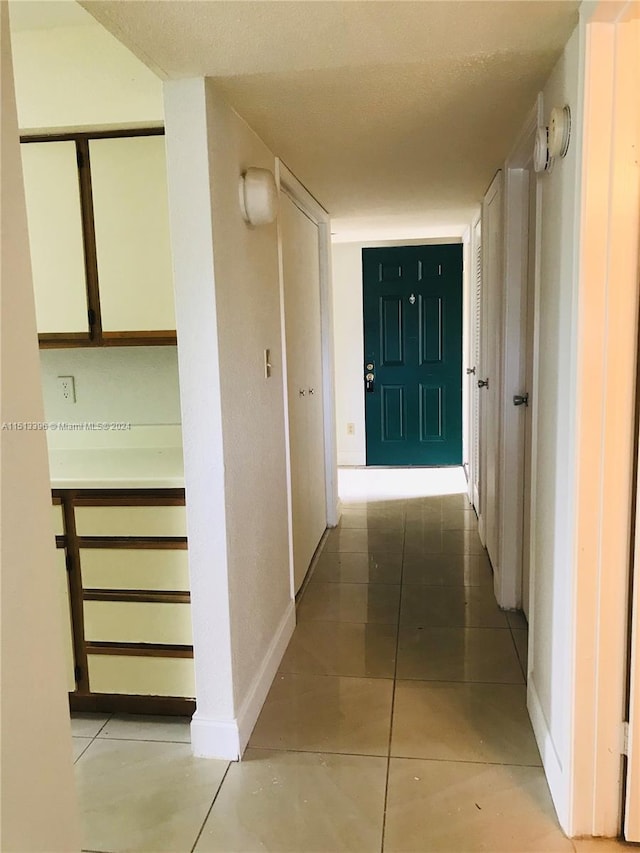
(310, 391)
(483, 383)
(302, 392)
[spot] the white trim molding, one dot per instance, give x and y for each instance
(605, 414)
(252, 703)
(227, 738)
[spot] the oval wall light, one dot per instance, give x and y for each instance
(559, 131)
(258, 196)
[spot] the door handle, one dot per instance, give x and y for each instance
(368, 382)
(521, 400)
(483, 383)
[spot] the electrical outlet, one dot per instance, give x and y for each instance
(351, 429)
(67, 389)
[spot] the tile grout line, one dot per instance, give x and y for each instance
(515, 646)
(393, 694)
(91, 740)
(293, 751)
(215, 797)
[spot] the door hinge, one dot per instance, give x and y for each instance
(77, 672)
(625, 738)
(69, 562)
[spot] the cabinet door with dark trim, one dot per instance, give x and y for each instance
(131, 214)
(54, 221)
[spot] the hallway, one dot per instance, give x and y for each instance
(397, 721)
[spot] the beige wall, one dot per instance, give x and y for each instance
(134, 384)
(248, 305)
(81, 76)
(38, 789)
(228, 312)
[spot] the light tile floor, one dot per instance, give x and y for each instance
(397, 721)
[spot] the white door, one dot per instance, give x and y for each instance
(489, 376)
(632, 803)
(474, 391)
(528, 390)
(301, 275)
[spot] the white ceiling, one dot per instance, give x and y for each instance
(394, 114)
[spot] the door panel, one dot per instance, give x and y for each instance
(301, 276)
(474, 395)
(528, 387)
(632, 803)
(413, 338)
(431, 412)
(490, 365)
(391, 327)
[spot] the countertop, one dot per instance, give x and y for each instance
(116, 468)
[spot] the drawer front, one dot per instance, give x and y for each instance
(142, 676)
(119, 568)
(58, 520)
(65, 617)
(137, 622)
(131, 521)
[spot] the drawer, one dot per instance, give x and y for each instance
(58, 519)
(131, 521)
(135, 568)
(62, 586)
(137, 622)
(142, 676)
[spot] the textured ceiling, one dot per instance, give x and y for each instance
(387, 111)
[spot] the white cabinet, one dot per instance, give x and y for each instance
(131, 216)
(98, 220)
(54, 218)
(125, 599)
(301, 275)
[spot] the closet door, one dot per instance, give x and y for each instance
(301, 273)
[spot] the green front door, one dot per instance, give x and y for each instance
(413, 351)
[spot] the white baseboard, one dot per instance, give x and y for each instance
(214, 738)
(550, 759)
(252, 703)
(227, 738)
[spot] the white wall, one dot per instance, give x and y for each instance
(553, 408)
(349, 342)
(138, 385)
(38, 791)
(81, 76)
(228, 312)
